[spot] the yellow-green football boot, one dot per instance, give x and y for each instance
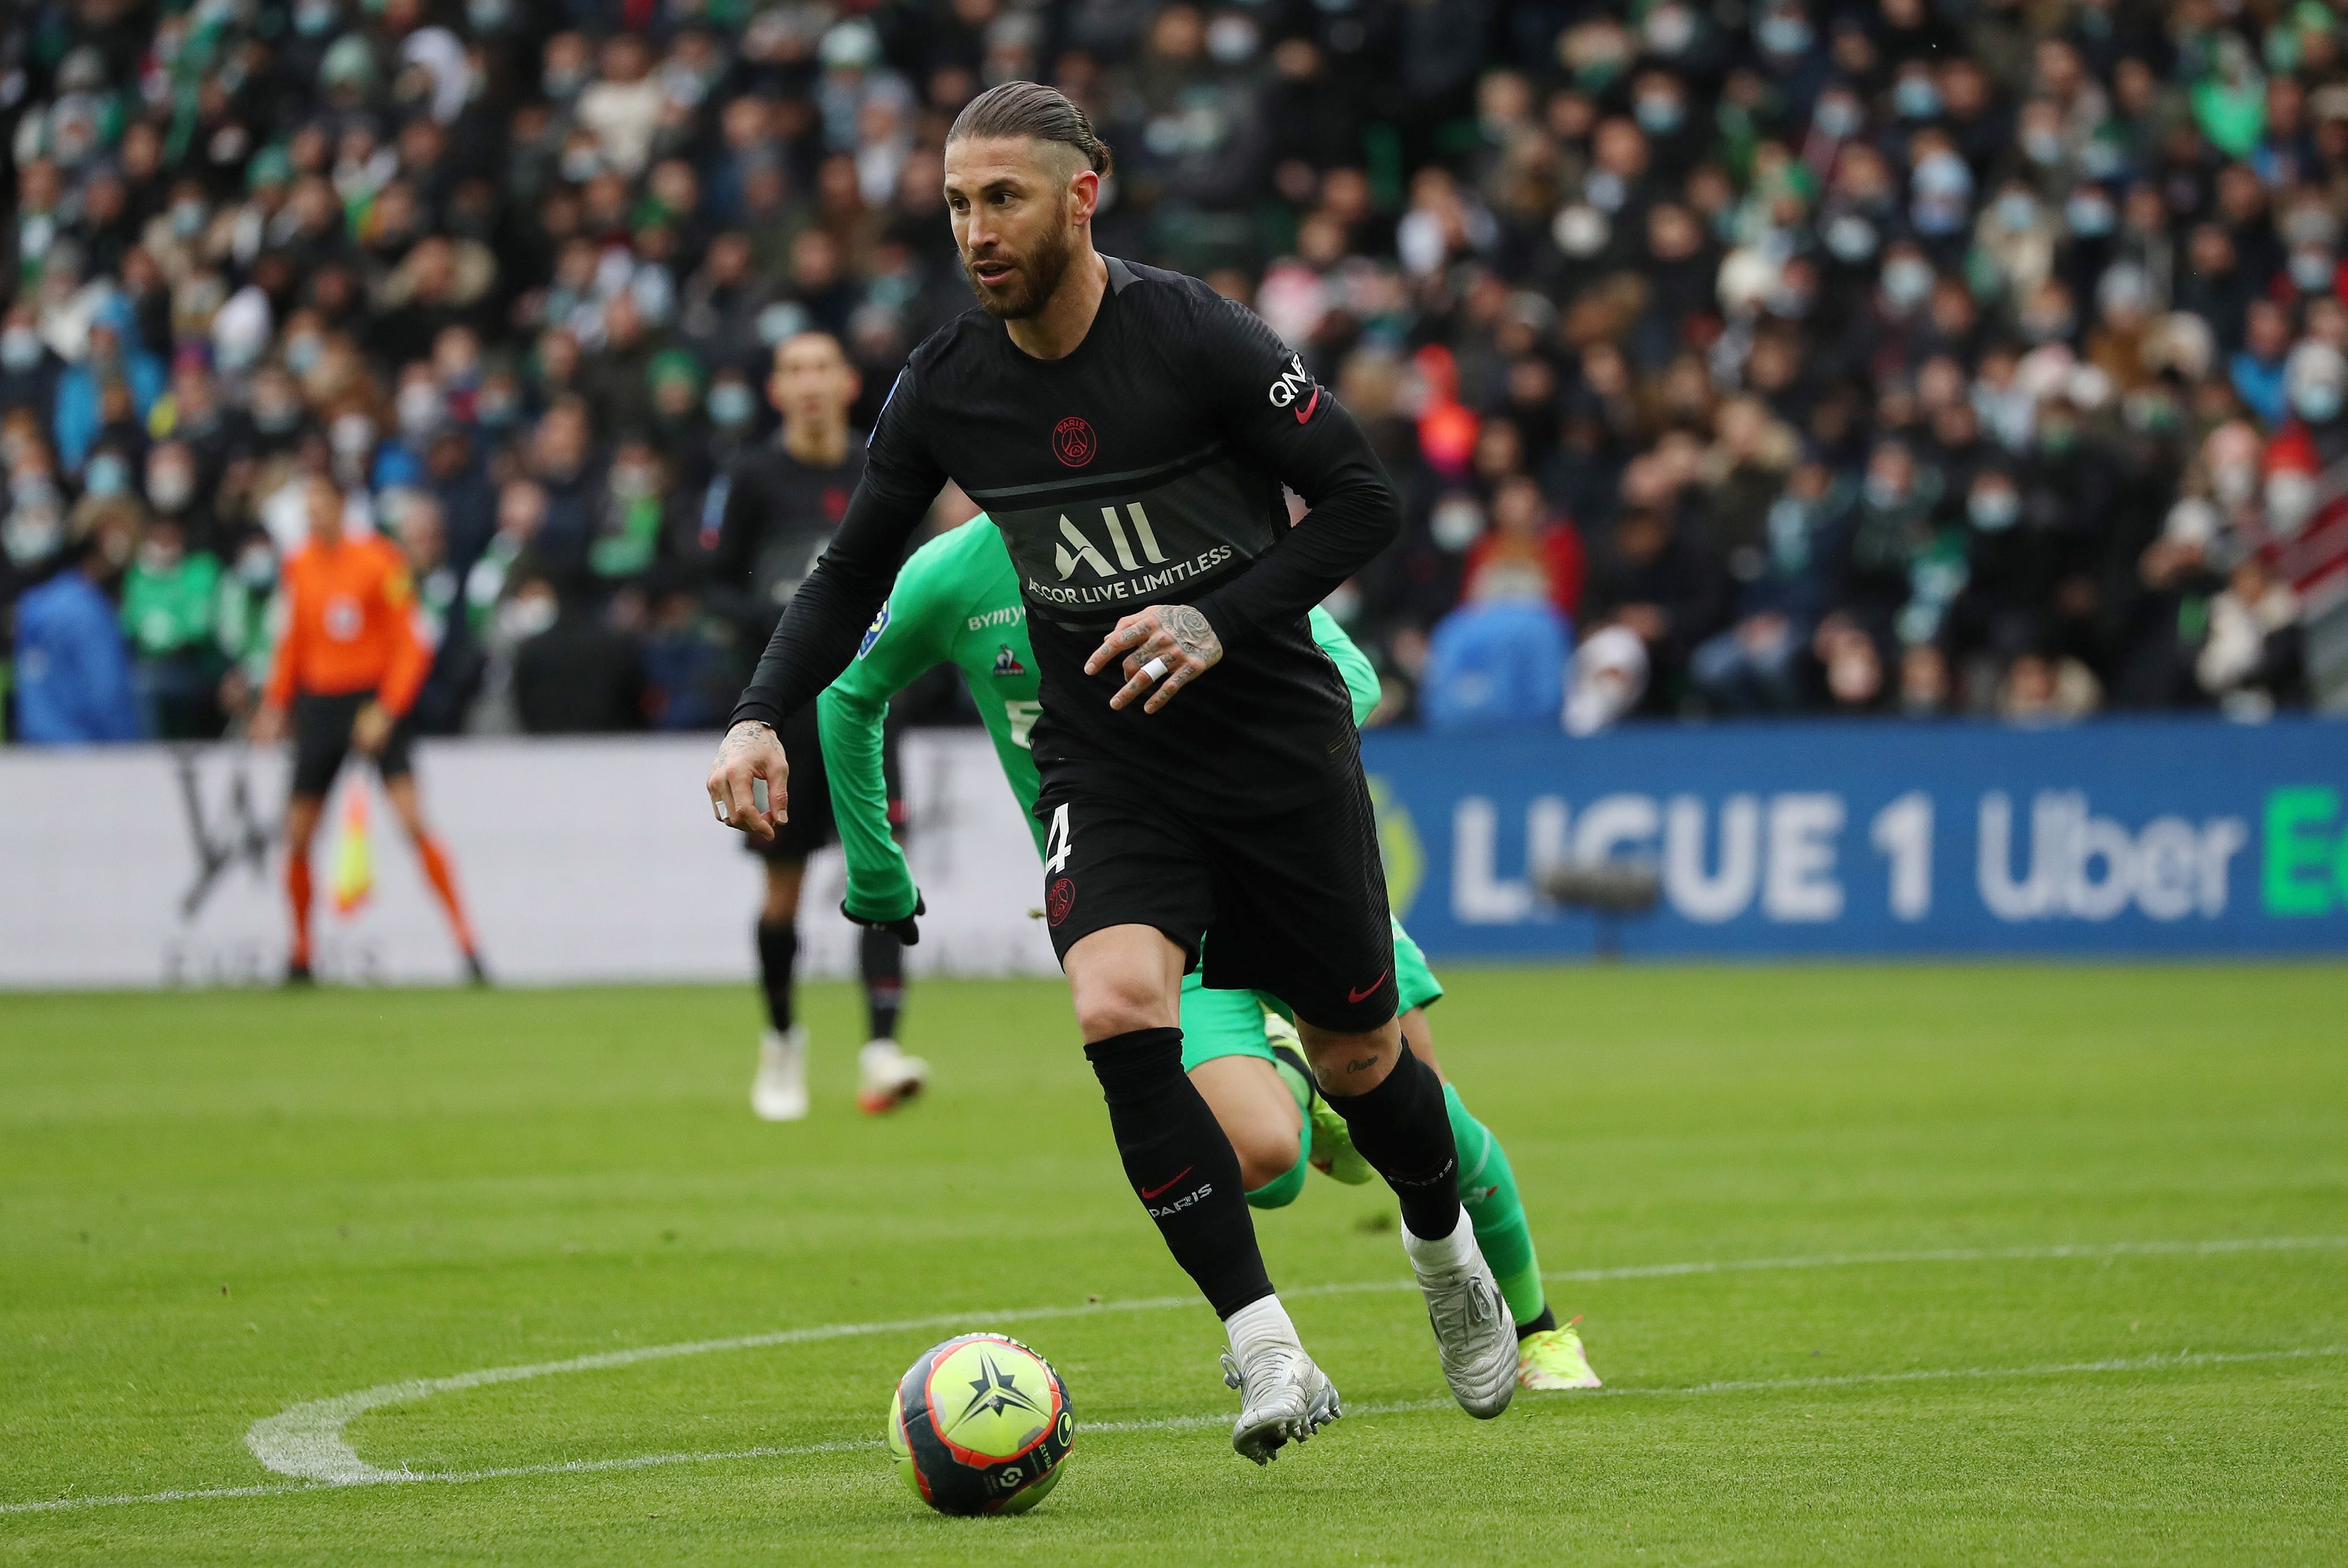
(1553, 1360)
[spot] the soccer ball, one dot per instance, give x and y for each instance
(979, 1425)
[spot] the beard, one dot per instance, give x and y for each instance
(1035, 277)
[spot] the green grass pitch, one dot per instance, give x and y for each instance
(1988, 1328)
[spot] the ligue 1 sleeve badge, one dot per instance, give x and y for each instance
(1073, 441)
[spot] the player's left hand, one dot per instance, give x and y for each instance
(371, 728)
(1166, 645)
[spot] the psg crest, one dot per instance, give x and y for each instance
(1073, 441)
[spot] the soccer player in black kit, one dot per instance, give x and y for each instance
(784, 501)
(1129, 432)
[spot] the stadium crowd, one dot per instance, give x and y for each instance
(1911, 356)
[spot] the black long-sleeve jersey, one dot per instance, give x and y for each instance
(778, 515)
(1144, 468)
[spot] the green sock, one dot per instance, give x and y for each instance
(1283, 1189)
(1487, 1190)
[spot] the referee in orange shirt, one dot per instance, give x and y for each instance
(348, 666)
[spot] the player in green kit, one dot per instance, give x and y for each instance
(957, 601)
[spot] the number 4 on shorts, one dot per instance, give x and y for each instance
(1058, 842)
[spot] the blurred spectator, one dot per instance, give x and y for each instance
(72, 675)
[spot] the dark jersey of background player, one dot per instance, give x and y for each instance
(1143, 468)
(780, 514)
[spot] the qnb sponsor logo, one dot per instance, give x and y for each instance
(1292, 383)
(2077, 865)
(1197, 1195)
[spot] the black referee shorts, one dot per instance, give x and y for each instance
(812, 824)
(322, 739)
(1292, 903)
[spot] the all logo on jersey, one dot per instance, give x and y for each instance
(1007, 664)
(1293, 383)
(1075, 550)
(1073, 441)
(872, 633)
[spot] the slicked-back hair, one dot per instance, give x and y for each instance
(1031, 108)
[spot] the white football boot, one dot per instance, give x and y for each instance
(1474, 1335)
(780, 1092)
(1284, 1397)
(889, 1077)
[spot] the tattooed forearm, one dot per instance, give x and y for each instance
(1362, 1063)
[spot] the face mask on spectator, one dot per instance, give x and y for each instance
(32, 534)
(1670, 29)
(1836, 117)
(2234, 483)
(351, 435)
(2047, 324)
(2317, 402)
(488, 16)
(2017, 209)
(301, 351)
(256, 565)
(107, 475)
(1907, 281)
(527, 614)
(419, 408)
(1993, 507)
(2313, 271)
(1784, 33)
(1231, 39)
(2291, 501)
(1660, 114)
(2090, 214)
(1455, 524)
(315, 18)
(1883, 492)
(494, 409)
(1851, 238)
(2043, 146)
(171, 487)
(275, 416)
(580, 164)
(731, 405)
(187, 219)
(1916, 98)
(20, 348)
(563, 82)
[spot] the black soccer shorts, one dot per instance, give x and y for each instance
(812, 825)
(322, 739)
(1293, 903)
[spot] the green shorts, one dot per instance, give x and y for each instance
(1230, 1023)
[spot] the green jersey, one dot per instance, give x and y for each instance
(957, 601)
(166, 612)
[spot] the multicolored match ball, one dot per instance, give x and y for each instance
(980, 1425)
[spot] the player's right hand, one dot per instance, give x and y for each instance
(750, 753)
(268, 726)
(903, 928)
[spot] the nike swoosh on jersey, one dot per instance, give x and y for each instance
(1149, 1192)
(1306, 412)
(1363, 993)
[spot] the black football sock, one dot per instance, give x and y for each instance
(1180, 1164)
(1541, 1325)
(778, 954)
(882, 959)
(1404, 1129)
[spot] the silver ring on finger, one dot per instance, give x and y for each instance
(1155, 669)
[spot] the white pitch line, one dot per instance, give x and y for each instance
(306, 1441)
(1212, 1419)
